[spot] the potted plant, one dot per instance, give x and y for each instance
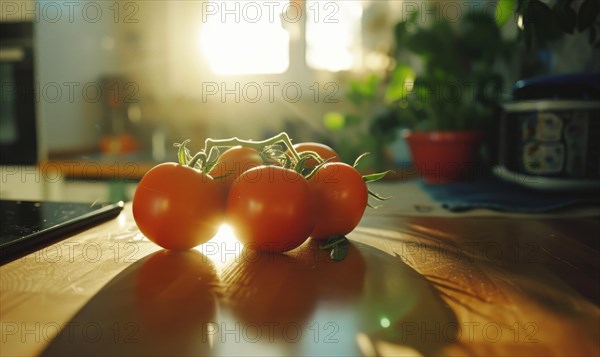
(454, 96)
(443, 86)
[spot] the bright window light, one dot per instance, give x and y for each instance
(242, 37)
(332, 34)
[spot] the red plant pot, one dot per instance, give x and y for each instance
(444, 156)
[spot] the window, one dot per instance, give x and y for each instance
(241, 37)
(250, 37)
(332, 34)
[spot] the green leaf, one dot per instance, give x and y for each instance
(334, 121)
(338, 246)
(375, 177)
(358, 159)
(401, 84)
(479, 39)
(181, 152)
(424, 43)
(301, 164)
(287, 162)
(400, 33)
(317, 168)
(339, 252)
(363, 91)
(222, 176)
(209, 166)
(373, 207)
(334, 241)
(378, 196)
(504, 11)
(352, 120)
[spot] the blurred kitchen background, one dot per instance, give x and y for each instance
(99, 91)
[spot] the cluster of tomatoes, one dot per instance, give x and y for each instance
(273, 203)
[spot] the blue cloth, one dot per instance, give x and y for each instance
(492, 193)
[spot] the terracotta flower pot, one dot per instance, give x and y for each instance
(444, 156)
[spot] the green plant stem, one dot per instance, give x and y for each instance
(311, 154)
(283, 137)
(181, 154)
(211, 144)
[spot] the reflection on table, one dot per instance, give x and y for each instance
(425, 286)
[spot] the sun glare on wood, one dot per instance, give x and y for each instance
(223, 248)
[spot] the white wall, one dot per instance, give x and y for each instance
(75, 47)
(22, 183)
(16, 11)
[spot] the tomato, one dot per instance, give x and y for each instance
(233, 162)
(341, 198)
(324, 151)
(271, 208)
(178, 207)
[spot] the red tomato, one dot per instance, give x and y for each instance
(271, 208)
(341, 198)
(233, 162)
(178, 207)
(324, 151)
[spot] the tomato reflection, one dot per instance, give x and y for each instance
(175, 293)
(281, 291)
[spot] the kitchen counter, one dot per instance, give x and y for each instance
(410, 285)
(97, 166)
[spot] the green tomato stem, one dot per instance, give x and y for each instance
(311, 154)
(211, 144)
(197, 158)
(181, 152)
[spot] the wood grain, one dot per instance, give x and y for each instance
(410, 285)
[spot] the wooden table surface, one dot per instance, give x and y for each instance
(410, 285)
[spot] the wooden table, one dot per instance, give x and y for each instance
(410, 285)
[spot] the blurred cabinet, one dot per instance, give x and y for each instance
(102, 191)
(21, 183)
(38, 183)
(18, 11)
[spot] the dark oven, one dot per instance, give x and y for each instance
(18, 129)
